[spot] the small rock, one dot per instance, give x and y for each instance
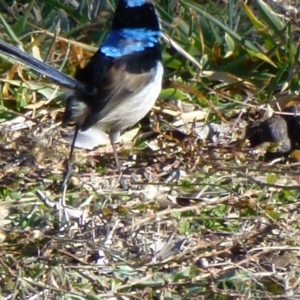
(272, 131)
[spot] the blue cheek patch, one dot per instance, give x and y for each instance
(125, 41)
(135, 3)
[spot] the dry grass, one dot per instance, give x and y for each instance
(198, 220)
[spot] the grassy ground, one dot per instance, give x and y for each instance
(202, 218)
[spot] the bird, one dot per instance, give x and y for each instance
(118, 85)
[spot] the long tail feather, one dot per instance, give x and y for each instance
(55, 75)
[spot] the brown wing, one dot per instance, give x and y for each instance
(117, 87)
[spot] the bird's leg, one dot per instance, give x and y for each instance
(68, 168)
(116, 157)
(113, 136)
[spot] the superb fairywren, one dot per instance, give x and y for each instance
(120, 83)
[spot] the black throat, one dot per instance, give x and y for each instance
(143, 16)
